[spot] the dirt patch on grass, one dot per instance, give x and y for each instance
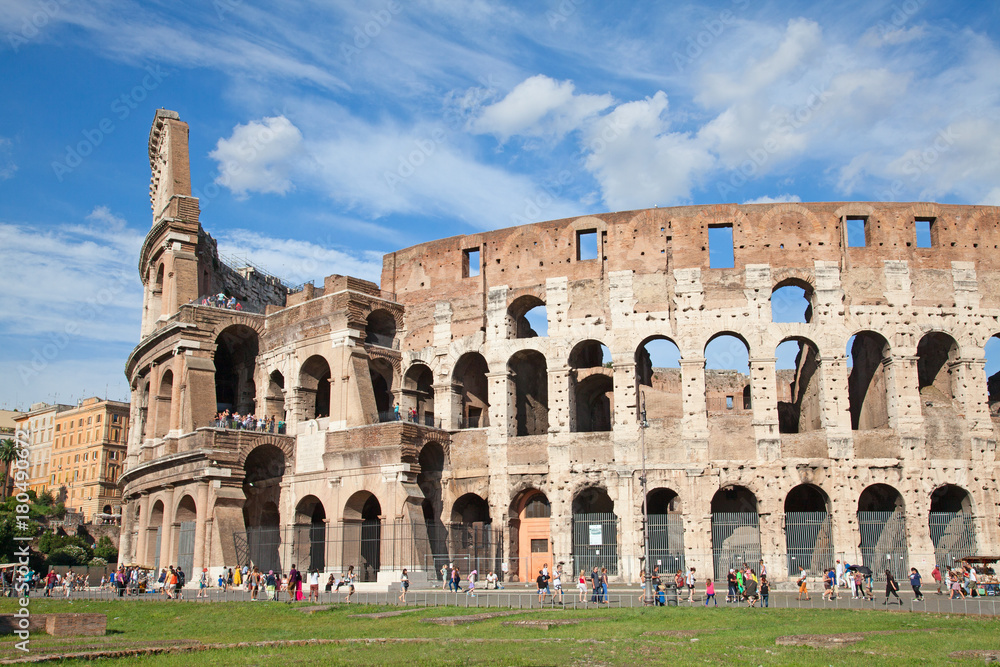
(386, 614)
(471, 618)
(546, 624)
(838, 640)
(676, 634)
(988, 656)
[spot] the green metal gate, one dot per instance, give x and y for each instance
(735, 541)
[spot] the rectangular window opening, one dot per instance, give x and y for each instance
(926, 232)
(729, 402)
(857, 232)
(586, 244)
(470, 263)
(720, 247)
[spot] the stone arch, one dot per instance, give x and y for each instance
(529, 522)
(665, 529)
(235, 357)
(867, 384)
(517, 312)
(185, 519)
(264, 468)
(363, 534)
(469, 379)
(798, 385)
(882, 528)
(658, 378)
(164, 404)
(528, 373)
(727, 374)
(274, 400)
(595, 529)
(380, 328)
(314, 387)
(808, 529)
(432, 461)
(284, 445)
(310, 529)
(470, 508)
(418, 393)
(936, 351)
(951, 522)
(735, 529)
(592, 387)
(791, 301)
(154, 535)
(382, 374)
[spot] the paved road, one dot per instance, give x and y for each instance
(517, 596)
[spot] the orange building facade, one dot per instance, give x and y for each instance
(39, 424)
(87, 454)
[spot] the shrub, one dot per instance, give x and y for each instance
(97, 561)
(69, 555)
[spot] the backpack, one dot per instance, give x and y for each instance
(180, 577)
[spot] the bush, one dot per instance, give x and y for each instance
(69, 555)
(106, 550)
(46, 498)
(97, 561)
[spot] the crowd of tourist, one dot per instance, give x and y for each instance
(220, 300)
(248, 422)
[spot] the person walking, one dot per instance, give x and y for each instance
(915, 584)
(955, 585)
(456, 579)
(270, 584)
(936, 576)
(829, 585)
(858, 586)
(203, 583)
(404, 585)
(750, 589)
(349, 582)
(557, 588)
(543, 585)
(604, 586)
(581, 585)
(595, 582)
(445, 577)
(642, 585)
(690, 581)
(471, 590)
(765, 591)
(803, 583)
(710, 592)
(314, 584)
(731, 583)
(891, 588)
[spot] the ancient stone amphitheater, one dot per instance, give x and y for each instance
(799, 382)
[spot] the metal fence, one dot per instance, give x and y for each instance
(595, 542)
(735, 541)
(666, 542)
(883, 542)
(809, 541)
(953, 535)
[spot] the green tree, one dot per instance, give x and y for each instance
(106, 549)
(8, 454)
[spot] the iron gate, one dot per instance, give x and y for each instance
(809, 541)
(185, 548)
(953, 535)
(883, 543)
(595, 542)
(735, 540)
(666, 542)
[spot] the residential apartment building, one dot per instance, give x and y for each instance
(39, 422)
(87, 455)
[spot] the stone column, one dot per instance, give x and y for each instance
(626, 399)
(447, 404)
(694, 423)
(764, 403)
(167, 537)
(201, 529)
(835, 406)
(562, 401)
(502, 403)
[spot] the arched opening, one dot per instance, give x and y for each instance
(275, 400)
(471, 385)
(432, 463)
(380, 329)
(235, 362)
(472, 539)
(310, 538)
(381, 374)
(791, 301)
(727, 375)
(798, 380)
(143, 395)
(735, 530)
(154, 536)
(363, 535)
(186, 517)
(595, 531)
(866, 384)
(314, 387)
(530, 534)
(418, 394)
(658, 378)
(808, 530)
(106, 509)
(164, 398)
(527, 318)
(991, 351)
(882, 525)
(592, 386)
(952, 525)
(528, 372)
(665, 530)
(937, 354)
(158, 305)
(263, 471)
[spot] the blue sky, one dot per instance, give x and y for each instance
(325, 134)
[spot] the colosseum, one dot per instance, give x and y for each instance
(584, 391)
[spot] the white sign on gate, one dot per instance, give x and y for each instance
(596, 535)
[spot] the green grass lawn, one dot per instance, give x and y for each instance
(604, 637)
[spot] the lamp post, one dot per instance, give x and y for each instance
(648, 590)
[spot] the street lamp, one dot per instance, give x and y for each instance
(648, 589)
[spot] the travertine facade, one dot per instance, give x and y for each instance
(877, 444)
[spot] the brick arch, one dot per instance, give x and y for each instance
(768, 220)
(285, 444)
(253, 322)
(854, 208)
(391, 357)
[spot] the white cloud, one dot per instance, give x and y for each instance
(539, 106)
(259, 156)
(638, 161)
(780, 199)
(297, 261)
